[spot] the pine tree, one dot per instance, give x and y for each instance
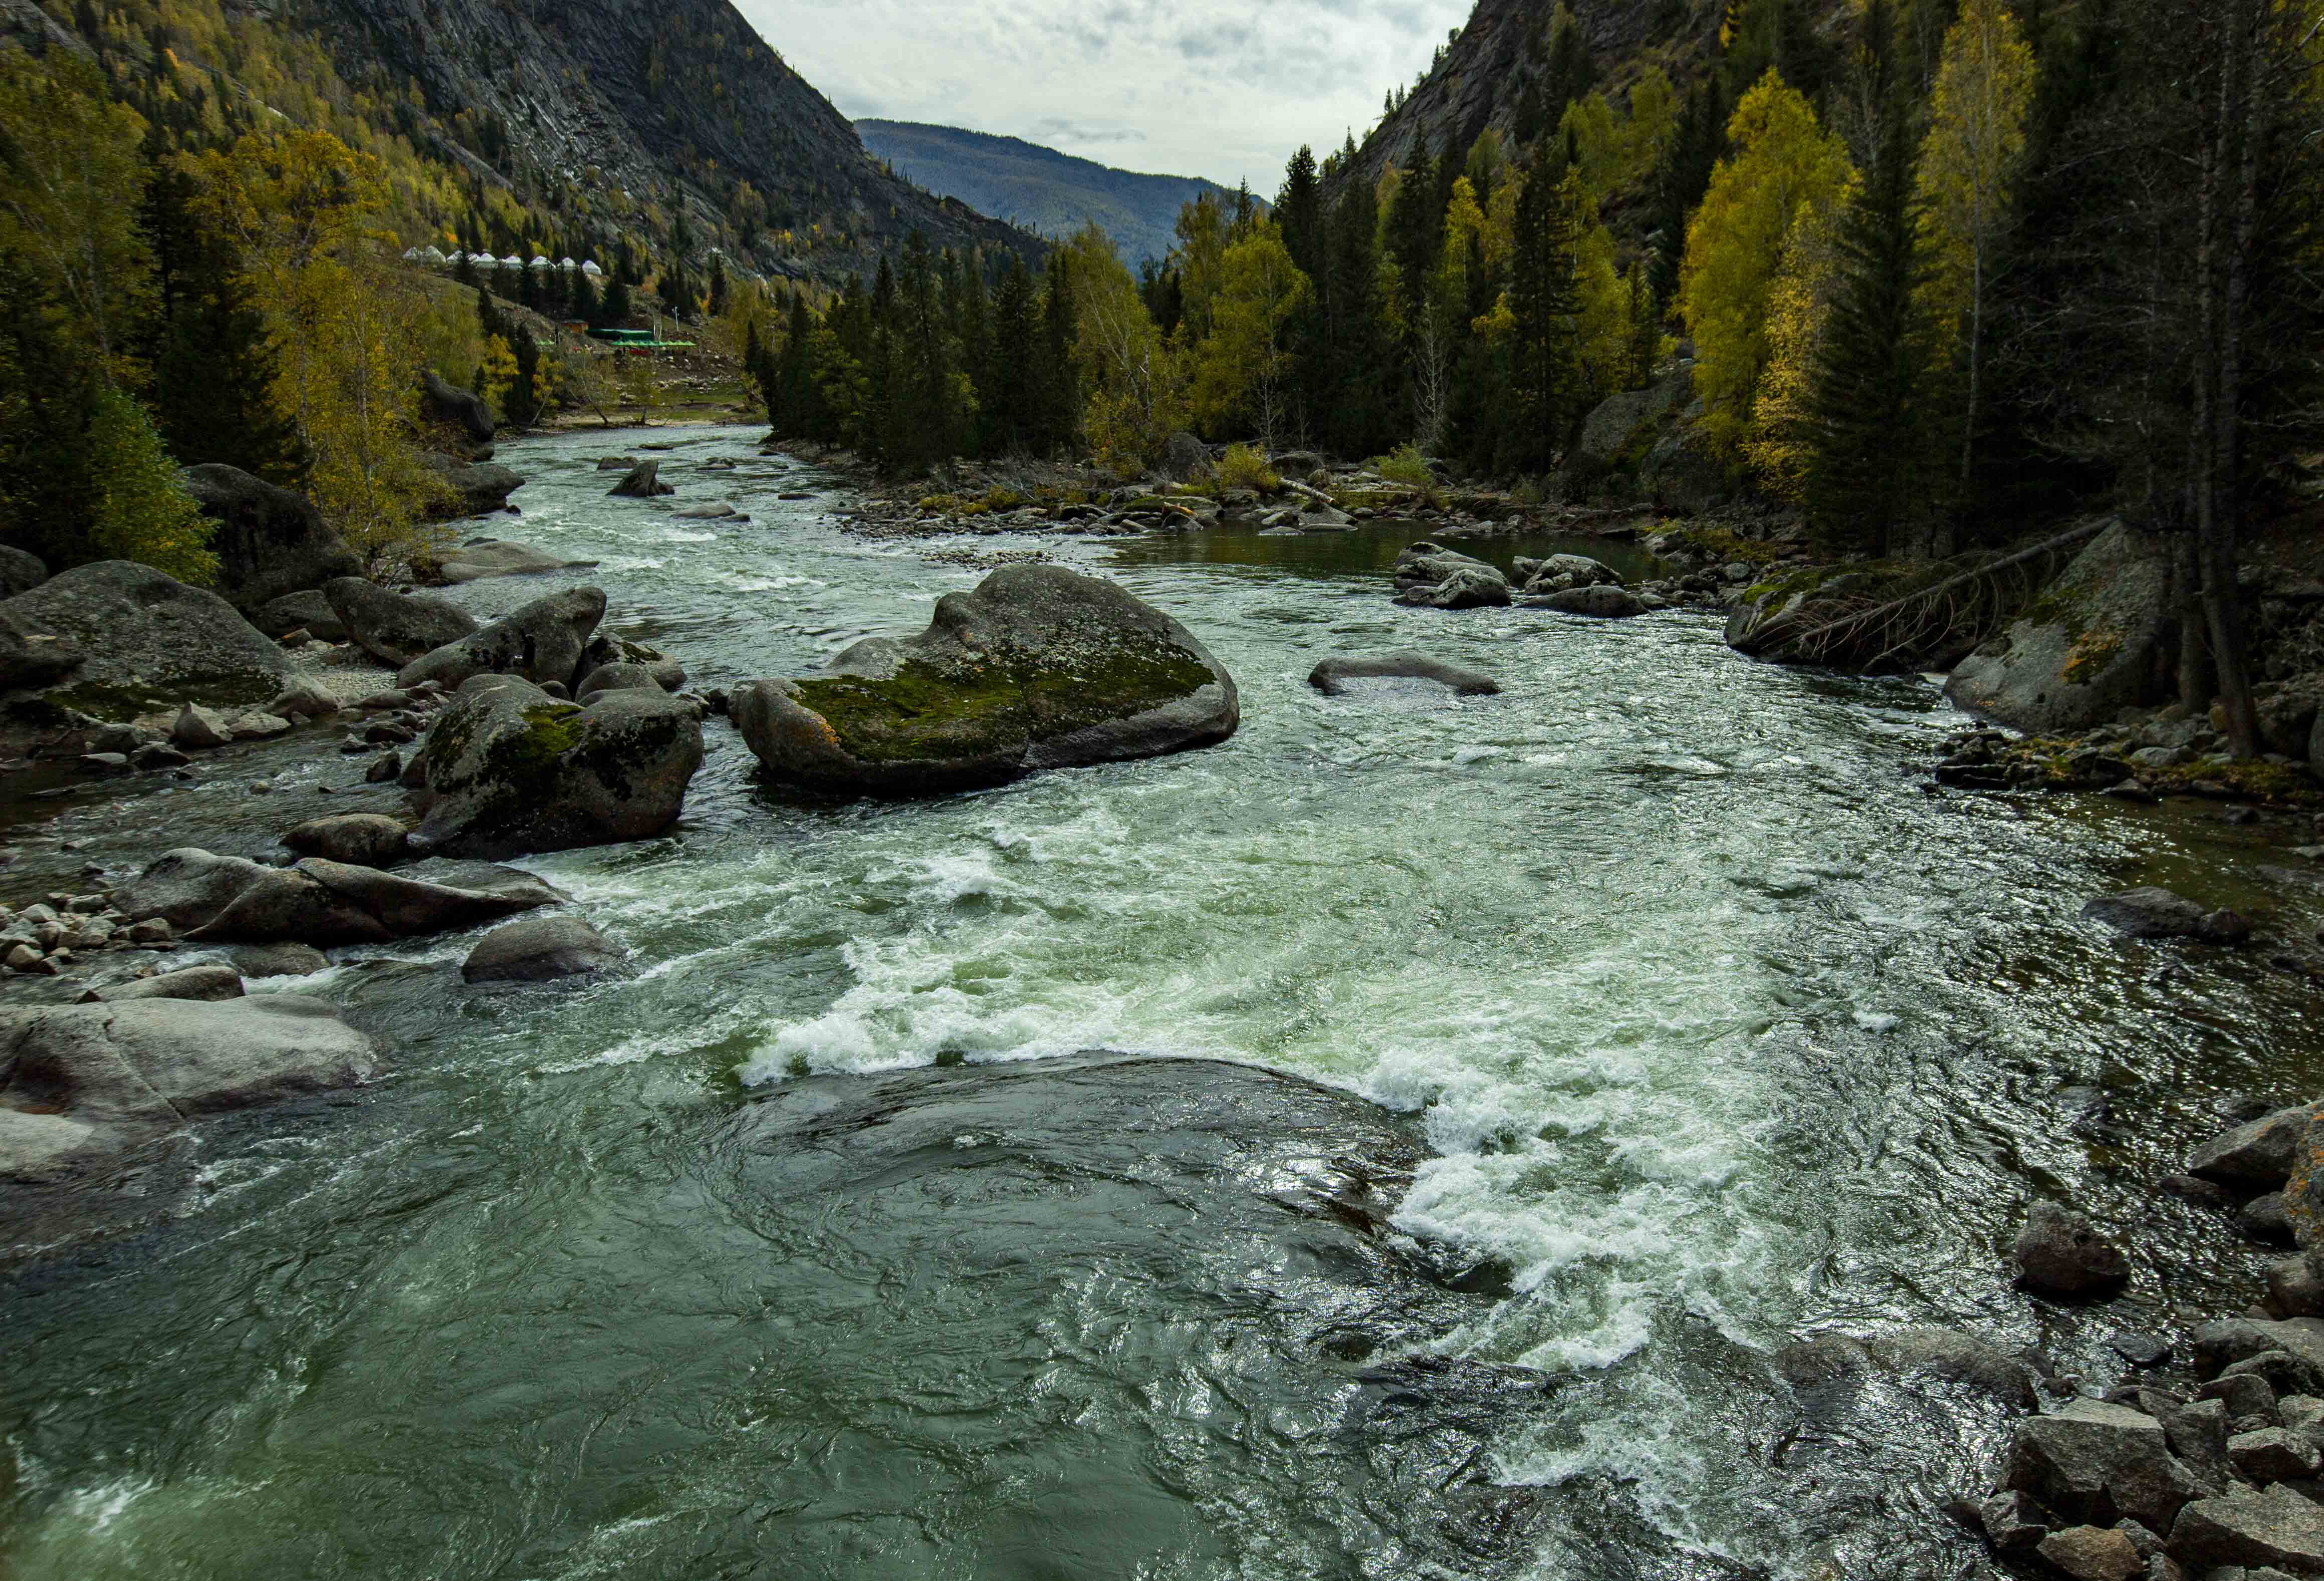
(1011, 402)
(1569, 70)
(1060, 395)
(1681, 176)
(1543, 341)
(1868, 422)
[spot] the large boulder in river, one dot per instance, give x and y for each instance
(464, 409)
(543, 641)
(1601, 600)
(81, 1084)
(20, 571)
(147, 642)
(643, 482)
(481, 557)
(395, 628)
(269, 541)
(2091, 645)
(363, 840)
(507, 768)
(232, 900)
(1038, 668)
(540, 949)
(1430, 576)
(2058, 1253)
(471, 488)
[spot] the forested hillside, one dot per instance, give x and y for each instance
(562, 127)
(1045, 191)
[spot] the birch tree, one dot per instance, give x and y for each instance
(1975, 145)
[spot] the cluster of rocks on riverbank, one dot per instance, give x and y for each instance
(2209, 1473)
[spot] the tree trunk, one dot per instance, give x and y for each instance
(2228, 221)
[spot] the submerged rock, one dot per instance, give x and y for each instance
(1599, 601)
(2060, 1254)
(205, 897)
(482, 558)
(285, 960)
(540, 949)
(507, 768)
(1038, 668)
(1331, 677)
(542, 642)
(2158, 914)
(395, 628)
(81, 1084)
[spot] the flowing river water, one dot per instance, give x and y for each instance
(1695, 1019)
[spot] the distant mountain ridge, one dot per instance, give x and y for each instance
(1037, 187)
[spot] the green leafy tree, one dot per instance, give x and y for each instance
(1242, 371)
(143, 511)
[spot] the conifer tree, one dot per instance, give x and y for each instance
(1544, 335)
(1868, 416)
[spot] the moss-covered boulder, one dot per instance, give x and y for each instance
(507, 768)
(143, 641)
(2095, 641)
(1038, 668)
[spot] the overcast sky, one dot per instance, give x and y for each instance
(1188, 87)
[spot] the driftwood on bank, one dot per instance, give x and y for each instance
(1958, 612)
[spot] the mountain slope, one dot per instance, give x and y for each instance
(1482, 78)
(1037, 187)
(677, 103)
(600, 119)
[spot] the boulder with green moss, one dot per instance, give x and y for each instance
(2097, 640)
(507, 768)
(143, 641)
(1038, 668)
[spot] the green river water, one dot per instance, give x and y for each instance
(1695, 1019)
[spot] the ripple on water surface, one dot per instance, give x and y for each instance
(1714, 1025)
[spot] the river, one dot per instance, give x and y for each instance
(1711, 1023)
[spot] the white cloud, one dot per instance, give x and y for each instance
(1194, 87)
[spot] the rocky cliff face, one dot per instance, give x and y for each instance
(1484, 70)
(675, 103)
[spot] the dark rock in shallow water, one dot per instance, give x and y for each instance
(2158, 914)
(506, 768)
(1331, 677)
(1599, 601)
(1038, 668)
(1430, 576)
(2258, 1154)
(643, 482)
(540, 949)
(285, 960)
(2058, 1253)
(269, 541)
